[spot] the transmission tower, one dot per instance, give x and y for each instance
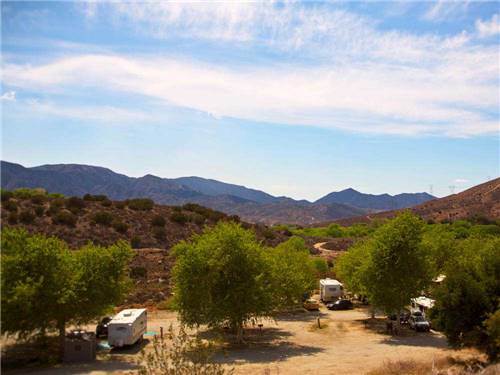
(452, 189)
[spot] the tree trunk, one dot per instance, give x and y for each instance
(61, 326)
(372, 312)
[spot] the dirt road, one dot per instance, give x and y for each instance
(293, 345)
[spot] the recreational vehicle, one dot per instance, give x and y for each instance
(330, 290)
(127, 327)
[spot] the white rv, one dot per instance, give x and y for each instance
(330, 290)
(127, 327)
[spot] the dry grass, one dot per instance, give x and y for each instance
(439, 366)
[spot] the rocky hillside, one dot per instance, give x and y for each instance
(151, 229)
(481, 202)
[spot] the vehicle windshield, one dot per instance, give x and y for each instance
(419, 319)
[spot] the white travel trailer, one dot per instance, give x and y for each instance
(330, 290)
(127, 327)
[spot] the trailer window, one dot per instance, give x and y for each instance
(332, 289)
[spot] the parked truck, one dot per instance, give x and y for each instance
(127, 327)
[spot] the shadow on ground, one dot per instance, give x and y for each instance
(80, 368)
(130, 349)
(418, 339)
(266, 352)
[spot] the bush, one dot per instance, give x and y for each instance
(10, 206)
(167, 304)
(6, 195)
(120, 227)
(120, 204)
(27, 217)
(135, 242)
(179, 217)
(138, 272)
(159, 233)
(206, 212)
(39, 211)
(64, 218)
(55, 195)
(180, 354)
(268, 234)
(106, 203)
(25, 193)
(102, 218)
(55, 206)
(158, 221)
(140, 204)
(39, 199)
(12, 219)
(198, 219)
(95, 198)
(75, 203)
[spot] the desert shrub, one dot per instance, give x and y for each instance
(102, 218)
(167, 304)
(106, 203)
(26, 193)
(177, 209)
(179, 217)
(140, 204)
(159, 233)
(39, 211)
(120, 226)
(95, 198)
(197, 219)
(158, 221)
(27, 217)
(64, 217)
(268, 234)
(120, 204)
(12, 219)
(39, 199)
(75, 203)
(138, 272)
(206, 212)
(135, 242)
(55, 195)
(6, 195)
(234, 218)
(58, 203)
(180, 354)
(10, 206)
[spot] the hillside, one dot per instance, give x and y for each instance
(250, 204)
(481, 202)
(375, 202)
(152, 230)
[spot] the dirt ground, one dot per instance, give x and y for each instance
(292, 345)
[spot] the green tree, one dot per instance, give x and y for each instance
(222, 277)
(292, 272)
(350, 266)
(45, 285)
(441, 244)
(398, 267)
(470, 292)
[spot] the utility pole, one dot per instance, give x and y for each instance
(452, 189)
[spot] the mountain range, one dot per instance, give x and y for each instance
(250, 204)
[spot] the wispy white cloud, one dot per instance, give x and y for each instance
(366, 98)
(460, 180)
(488, 28)
(102, 114)
(442, 10)
(8, 96)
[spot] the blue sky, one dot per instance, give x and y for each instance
(294, 98)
